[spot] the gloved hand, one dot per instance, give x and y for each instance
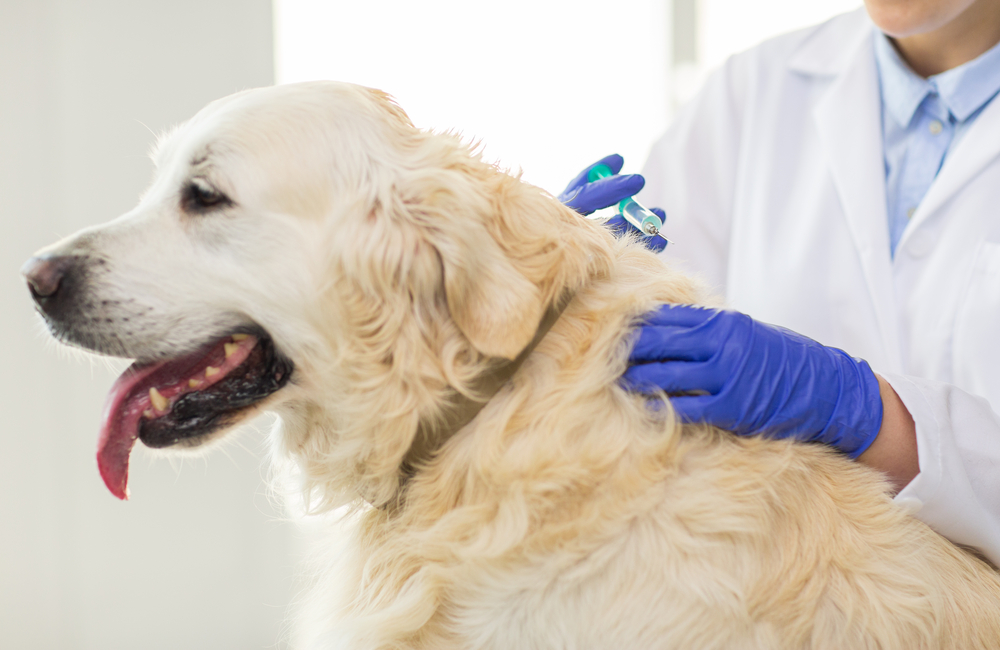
(757, 378)
(587, 198)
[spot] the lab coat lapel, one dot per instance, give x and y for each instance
(978, 148)
(848, 118)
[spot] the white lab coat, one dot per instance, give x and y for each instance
(773, 181)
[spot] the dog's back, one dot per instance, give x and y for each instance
(571, 514)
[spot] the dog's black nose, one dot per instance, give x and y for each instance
(45, 275)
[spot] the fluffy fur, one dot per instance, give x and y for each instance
(390, 264)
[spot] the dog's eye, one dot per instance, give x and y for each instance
(199, 196)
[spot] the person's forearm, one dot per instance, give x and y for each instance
(894, 451)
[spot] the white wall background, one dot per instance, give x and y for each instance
(725, 27)
(548, 86)
(198, 558)
(729, 26)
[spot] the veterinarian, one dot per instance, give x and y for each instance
(843, 182)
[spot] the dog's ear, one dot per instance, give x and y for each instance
(494, 305)
(494, 294)
(502, 244)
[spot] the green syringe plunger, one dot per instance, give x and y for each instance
(634, 212)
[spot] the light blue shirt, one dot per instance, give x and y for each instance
(922, 120)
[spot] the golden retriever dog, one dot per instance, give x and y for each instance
(442, 343)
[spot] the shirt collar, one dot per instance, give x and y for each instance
(964, 90)
(902, 88)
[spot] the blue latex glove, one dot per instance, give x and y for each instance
(756, 378)
(587, 198)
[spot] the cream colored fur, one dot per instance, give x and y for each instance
(390, 263)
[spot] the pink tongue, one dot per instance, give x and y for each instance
(130, 399)
(120, 427)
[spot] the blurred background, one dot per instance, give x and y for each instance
(202, 556)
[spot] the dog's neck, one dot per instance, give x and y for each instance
(431, 436)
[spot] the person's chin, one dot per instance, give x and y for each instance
(905, 18)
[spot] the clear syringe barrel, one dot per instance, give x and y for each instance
(642, 218)
(634, 212)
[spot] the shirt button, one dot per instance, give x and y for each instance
(910, 213)
(936, 127)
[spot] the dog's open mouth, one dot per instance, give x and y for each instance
(183, 400)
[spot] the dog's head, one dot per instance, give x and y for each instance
(307, 249)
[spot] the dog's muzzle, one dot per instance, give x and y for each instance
(183, 397)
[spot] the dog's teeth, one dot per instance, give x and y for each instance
(160, 403)
(230, 348)
(194, 383)
(148, 414)
(240, 337)
(210, 371)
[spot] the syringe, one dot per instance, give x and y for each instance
(634, 212)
